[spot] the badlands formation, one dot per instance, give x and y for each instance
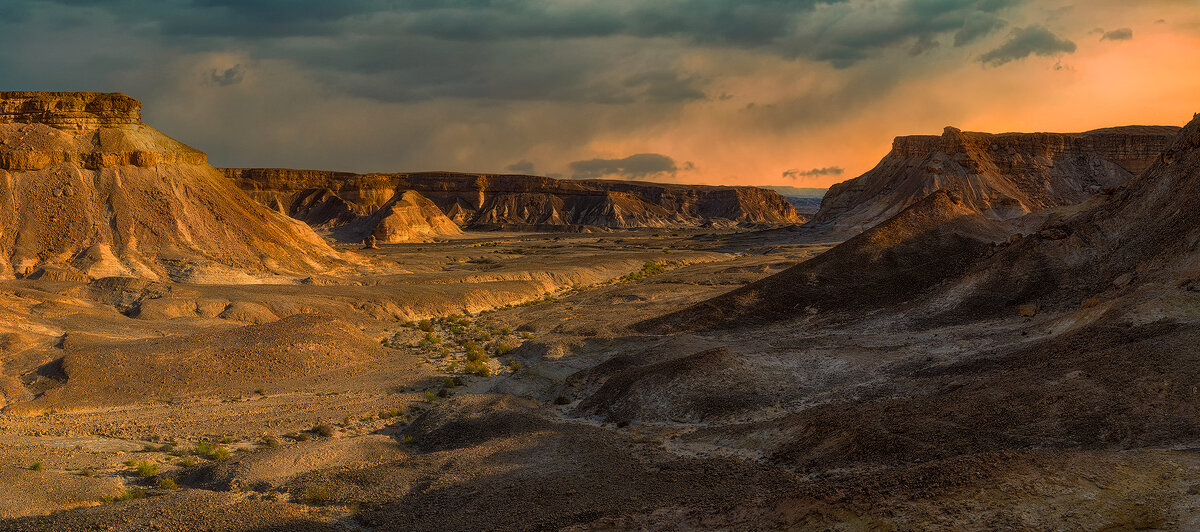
(88, 191)
(517, 202)
(1009, 347)
(1002, 176)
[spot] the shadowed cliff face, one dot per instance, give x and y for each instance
(87, 190)
(484, 201)
(1001, 176)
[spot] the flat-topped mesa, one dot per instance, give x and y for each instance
(516, 202)
(70, 110)
(1002, 176)
(88, 191)
(39, 130)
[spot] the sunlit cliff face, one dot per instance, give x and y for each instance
(712, 91)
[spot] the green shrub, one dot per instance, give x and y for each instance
(515, 365)
(425, 325)
(503, 348)
(146, 469)
(227, 440)
(167, 484)
(391, 413)
(475, 352)
(433, 338)
(189, 462)
(270, 441)
(317, 495)
(478, 367)
(430, 396)
(37, 466)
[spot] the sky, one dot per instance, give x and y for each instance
(800, 93)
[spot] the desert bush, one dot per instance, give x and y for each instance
(317, 495)
(167, 484)
(515, 365)
(425, 325)
(430, 396)
(390, 413)
(227, 440)
(146, 469)
(151, 448)
(189, 462)
(478, 367)
(37, 466)
(433, 338)
(475, 352)
(127, 496)
(325, 429)
(270, 441)
(502, 348)
(88, 472)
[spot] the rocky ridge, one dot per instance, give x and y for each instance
(518, 202)
(1002, 176)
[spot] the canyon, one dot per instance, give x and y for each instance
(983, 332)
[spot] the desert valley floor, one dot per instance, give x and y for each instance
(346, 415)
(984, 332)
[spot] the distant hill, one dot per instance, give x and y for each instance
(523, 202)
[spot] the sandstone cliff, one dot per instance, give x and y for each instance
(1001, 176)
(88, 190)
(485, 201)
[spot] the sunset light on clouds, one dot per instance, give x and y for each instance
(716, 91)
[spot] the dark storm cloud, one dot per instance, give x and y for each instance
(639, 166)
(521, 167)
(796, 173)
(1024, 42)
(404, 50)
(229, 76)
(1121, 34)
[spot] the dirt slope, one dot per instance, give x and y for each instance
(88, 188)
(929, 242)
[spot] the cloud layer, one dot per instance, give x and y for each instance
(748, 91)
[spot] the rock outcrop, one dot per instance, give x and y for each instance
(408, 217)
(1001, 176)
(86, 187)
(517, 202)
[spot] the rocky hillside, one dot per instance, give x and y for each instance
(88, 190)
(517, 202)
(927, 243)
(1001, 176)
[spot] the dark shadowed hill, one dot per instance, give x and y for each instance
(927, 243)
